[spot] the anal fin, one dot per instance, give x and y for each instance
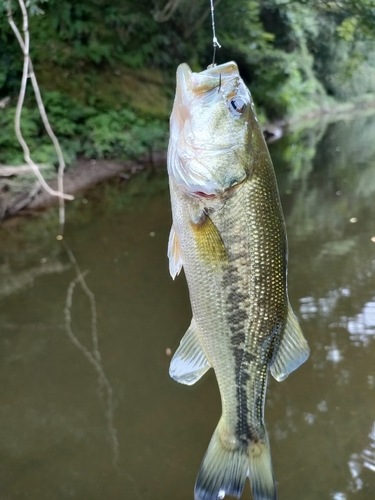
(189, 362)
(293, 349)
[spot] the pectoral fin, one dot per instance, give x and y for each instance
(174, 254)
(189, 362)
(293, 349)
(209, 243)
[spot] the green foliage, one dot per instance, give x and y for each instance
(104, 32)
(292, 54)
(66, 118)
(110, 134)
(82, 131)
(347, 29)
(327, 53)
(343, 62)
(10, 151)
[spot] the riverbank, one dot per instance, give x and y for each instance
(86, 174)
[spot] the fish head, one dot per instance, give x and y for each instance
(210, 131)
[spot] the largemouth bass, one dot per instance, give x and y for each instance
(228, 234)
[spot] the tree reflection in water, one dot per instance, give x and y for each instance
(92, 355)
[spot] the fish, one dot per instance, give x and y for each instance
(228, 234)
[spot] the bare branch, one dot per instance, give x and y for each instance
(28, 71)
(10, 170)
(161, 16)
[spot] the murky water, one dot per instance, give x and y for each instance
(87, 409)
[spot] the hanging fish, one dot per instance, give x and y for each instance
(229, 234)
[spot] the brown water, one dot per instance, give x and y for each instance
(87, 409)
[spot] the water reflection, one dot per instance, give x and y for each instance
(83, 364)
(363, 325)
(328, 199)
(359, 461)
(334, 354)
(12, 282)
(368, 455)
(93, 355)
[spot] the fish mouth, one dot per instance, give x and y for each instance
(201, 194)
(212, 77)
(229, 69)
(226, 193)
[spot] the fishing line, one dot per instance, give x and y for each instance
(215, 41)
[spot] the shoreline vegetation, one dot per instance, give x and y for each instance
(106, 74)
(29, 197)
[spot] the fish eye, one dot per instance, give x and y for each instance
(237, 105)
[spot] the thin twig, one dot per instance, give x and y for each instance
(11, 170)
(163, 15)
(4, 101)
(28, 71)
(25, 200)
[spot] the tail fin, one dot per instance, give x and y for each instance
(224, 471)
(261, 472)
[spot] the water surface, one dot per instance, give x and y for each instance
(87, 409)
